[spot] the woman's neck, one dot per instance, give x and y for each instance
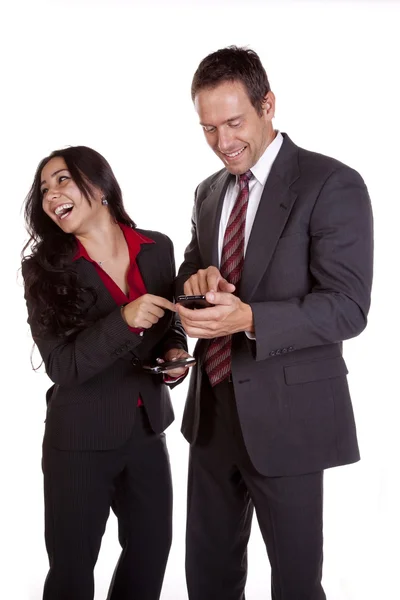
(103, 242)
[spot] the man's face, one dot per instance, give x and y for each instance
(232, 126)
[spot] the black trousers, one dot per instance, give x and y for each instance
(223, 490)
(80, 488)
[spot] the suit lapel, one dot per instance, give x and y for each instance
(148, 261)
(209, 217)
(273, 212)
(149, 270)
(91, 279)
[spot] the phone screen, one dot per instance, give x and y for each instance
(193, 302)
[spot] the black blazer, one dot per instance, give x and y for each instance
(307, 277)
(96, 373)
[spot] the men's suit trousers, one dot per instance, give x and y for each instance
(223, 490)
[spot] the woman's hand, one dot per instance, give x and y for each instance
(146, 311)
(175, 354)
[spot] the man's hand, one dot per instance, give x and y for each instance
(146, 310)
(207, 280)
(174, 354)
(229, 315)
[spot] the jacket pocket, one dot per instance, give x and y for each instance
(315, 370)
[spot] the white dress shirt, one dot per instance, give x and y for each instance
(260, 172)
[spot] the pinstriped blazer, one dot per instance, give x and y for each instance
(96, 373)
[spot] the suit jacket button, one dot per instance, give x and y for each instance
(272, 353)
(279, 352)
(284, 350)
(290, 349)
(135, 362)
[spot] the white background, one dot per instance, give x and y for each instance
(115, 75)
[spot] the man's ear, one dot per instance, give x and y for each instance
(268, 105)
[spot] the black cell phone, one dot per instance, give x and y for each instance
(198, 301)
(169, 365)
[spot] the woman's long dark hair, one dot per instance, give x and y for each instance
(58, 303)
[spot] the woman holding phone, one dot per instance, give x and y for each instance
(99, 298)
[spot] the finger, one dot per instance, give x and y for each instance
(161, 302)
(213, 278)
(194, 332)
(202, 281)
(156, 311)
(176, 372)
(145, 324)
(176, 353)
(195, 283)
(225, 286)
(187, 288)
(152, 318)
(211, 327)
(145, 316)
(200, 314)
(221, 298)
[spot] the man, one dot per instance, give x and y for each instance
(282, 246)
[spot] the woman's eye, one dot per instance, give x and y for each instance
(62, 178)
(43, 191)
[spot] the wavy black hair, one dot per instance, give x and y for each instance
(233, 64)
(58, 303)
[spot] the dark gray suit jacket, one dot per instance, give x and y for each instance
(96, 373)
(307, 277)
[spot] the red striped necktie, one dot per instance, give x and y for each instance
(218, 356)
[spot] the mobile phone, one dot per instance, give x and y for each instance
(198, 301)
(169, 365)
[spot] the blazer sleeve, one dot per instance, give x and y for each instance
(175, 336)
(341, 267)
(74, 361)
(77, 358)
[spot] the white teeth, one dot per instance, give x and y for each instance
(62, 207)
(236, 153)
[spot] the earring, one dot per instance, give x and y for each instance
(104, 201)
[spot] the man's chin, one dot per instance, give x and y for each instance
(235, 168)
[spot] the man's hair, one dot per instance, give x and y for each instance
(233, 64)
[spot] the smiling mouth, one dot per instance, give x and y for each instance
(63, 210)
(232, 155)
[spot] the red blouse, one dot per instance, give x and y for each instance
(135, 282)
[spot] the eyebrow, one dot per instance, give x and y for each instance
(53, 175)
(227, 121)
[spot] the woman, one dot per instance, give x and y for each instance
(99, 294)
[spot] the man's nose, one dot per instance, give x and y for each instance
(225, 141)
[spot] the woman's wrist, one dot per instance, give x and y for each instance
(123, 313)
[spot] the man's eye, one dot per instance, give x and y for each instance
(209, 129)
(235, 124)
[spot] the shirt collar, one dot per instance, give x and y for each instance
(133, 238)
(264, 164)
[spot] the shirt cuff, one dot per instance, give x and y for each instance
(169, 379)
(250, 335)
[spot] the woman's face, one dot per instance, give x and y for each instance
(63, 202)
